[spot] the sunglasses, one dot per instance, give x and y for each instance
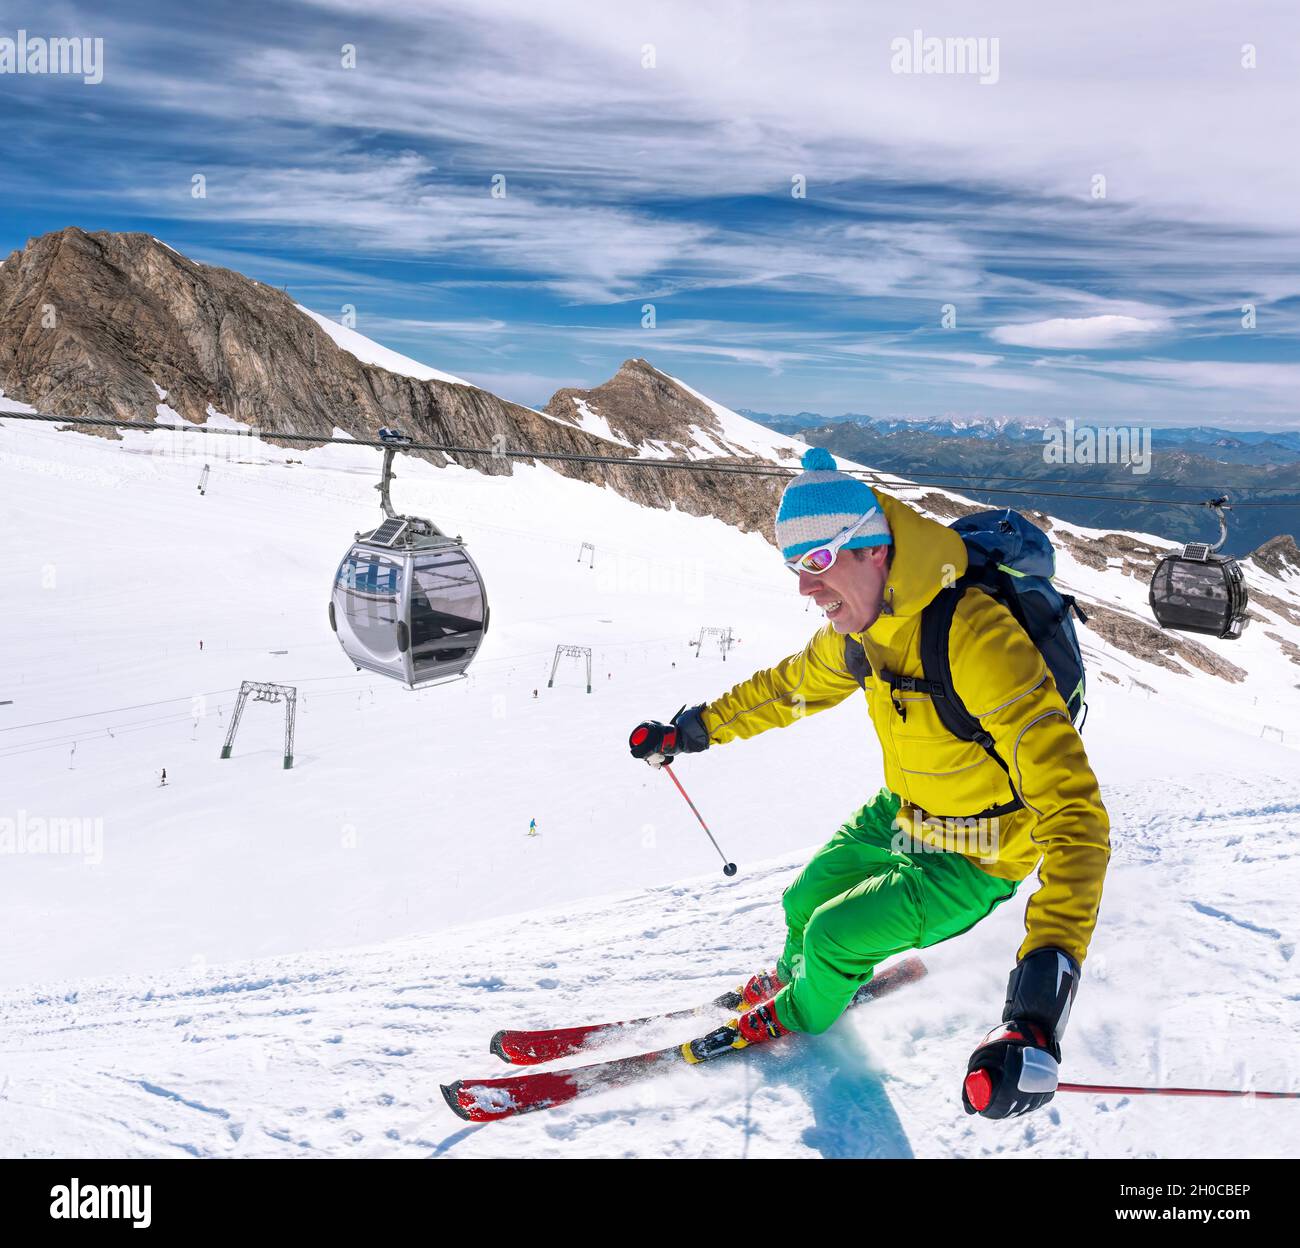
(822, 559)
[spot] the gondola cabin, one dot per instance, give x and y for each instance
(1199, 591)
(408, 601)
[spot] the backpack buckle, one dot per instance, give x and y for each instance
(896, 683)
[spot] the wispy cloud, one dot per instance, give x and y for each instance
(1077, 332)
(649, 155)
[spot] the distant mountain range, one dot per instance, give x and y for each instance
(974, 427)
(1230, 446)
(976, 456)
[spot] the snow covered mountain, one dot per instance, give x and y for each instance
(1283, 443)
(252, 961)
(660, 417)
(108, 324)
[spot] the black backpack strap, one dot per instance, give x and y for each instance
(910, 684)
(856, 661)
(936, 625)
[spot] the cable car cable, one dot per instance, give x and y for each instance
(396, 612)
(879, 476)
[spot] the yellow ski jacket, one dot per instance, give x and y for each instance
(1003, 680)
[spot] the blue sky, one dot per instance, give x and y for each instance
(648, 154)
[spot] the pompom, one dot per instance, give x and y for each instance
(818, 459)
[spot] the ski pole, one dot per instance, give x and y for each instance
(728, 868)
(1106, 1087)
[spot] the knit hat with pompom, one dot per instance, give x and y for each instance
(820, 503)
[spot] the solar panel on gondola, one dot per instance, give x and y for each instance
(388, 532)
(408, 601)
(1200, 591)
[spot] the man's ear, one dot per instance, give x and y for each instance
(879, 555)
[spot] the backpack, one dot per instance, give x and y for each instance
(1013, 561)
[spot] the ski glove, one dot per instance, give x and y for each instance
(658, 743)
(1015, 1070)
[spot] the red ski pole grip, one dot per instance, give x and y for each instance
(639, 734)
(979, 1089)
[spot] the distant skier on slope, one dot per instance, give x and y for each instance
(896, 877)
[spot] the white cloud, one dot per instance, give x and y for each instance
(585, 251)
(1075, 333)
(1242, 377)
(742, 98)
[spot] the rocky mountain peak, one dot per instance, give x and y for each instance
(1279, 555)
(639, 404)
(105, 324)
(97, 323)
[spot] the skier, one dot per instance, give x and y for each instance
(164, 777)
(894, 877)
(532, 827)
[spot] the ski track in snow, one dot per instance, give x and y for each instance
(154, 1005)
(1189, 982)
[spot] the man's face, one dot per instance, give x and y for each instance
(851, 590)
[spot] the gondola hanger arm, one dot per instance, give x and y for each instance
(1219, 506)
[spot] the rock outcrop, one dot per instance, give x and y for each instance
(1279, 555)
(1174, 651)
(97, 324)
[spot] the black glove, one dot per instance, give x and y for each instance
(659, 743)
(1015, 1070)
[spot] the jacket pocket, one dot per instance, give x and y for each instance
(940, 774)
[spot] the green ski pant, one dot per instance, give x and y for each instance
(859, 902)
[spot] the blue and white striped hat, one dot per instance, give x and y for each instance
(820, 503)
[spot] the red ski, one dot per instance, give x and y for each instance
(532, 1048)
(485, 1100)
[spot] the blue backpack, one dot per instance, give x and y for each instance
(1014, 562)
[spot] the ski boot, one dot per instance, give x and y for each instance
(757, 989)
(757, 1026)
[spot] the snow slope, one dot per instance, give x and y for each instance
(743, 436)
(317, 1055)
(370, 352)
(261, 962)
